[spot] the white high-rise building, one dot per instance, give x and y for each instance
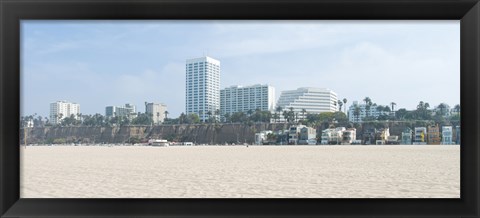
(61, 109)
(202, 86)
(313, 100)
(242, 99)
(157, 111)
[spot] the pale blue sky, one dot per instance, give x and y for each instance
(101, 63)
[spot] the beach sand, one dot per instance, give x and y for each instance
(240, 172)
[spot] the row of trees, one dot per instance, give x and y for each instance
(422, 112)
(88, 120)
(289, 115)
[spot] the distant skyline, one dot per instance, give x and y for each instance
(110, 63)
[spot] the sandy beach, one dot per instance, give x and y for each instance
(240, 172)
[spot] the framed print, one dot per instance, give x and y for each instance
(239, 108)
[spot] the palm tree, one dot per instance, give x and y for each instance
(345, 103)
(200, 113)
(79, 117)
(59, 118)
(340, 104)
(158, 117)
(166, 114)
(286, 115)
(422, 109)
(182, 118)
(386, 109)
(421, 105)
(368, 104)
(393, 104)
(401, 113)
(278, 109)
(380, 108)
(426, 111)
(442, 108)
(367, 109)
(304, 111)
(291, 114)
(426, 106)
(356, 111)
(209, 113)
(457, 108)
(227, 117)
(367, 100)
(217, 113)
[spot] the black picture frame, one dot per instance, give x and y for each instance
(12, 11)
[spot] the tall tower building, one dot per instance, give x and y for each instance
(61, 109)
(202, 86)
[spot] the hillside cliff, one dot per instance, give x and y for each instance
(197, 133)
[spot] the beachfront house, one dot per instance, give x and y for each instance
(280, 137)
(336, 136)
(349, 135)
(308, 136)
(261, 137)
(447, 134)
(433, 135)
(420, 134)
(369, 137)
(326, 136)
(294, 133)
(407, 136)
(381, 136)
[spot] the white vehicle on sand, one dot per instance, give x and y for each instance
(158, 142)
